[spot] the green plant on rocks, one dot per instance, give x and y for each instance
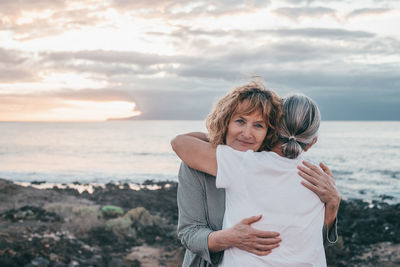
(110, 211)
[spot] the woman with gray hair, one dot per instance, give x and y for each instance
(268, 183)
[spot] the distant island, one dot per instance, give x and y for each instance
(124, 118)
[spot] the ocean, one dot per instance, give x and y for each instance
(363, 155)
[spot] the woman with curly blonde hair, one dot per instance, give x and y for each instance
(247, 118)
(257, 98)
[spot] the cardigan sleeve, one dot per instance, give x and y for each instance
(193, 229)
(330, 236)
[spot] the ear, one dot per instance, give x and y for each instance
(311, 144)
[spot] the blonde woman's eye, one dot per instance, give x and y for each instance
(240, 121)
(259, 126)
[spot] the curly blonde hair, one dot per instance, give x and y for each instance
(259, 99)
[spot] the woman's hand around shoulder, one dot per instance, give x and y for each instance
(322, 182)
(245, 237)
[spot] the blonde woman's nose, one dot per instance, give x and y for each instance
(246, 132)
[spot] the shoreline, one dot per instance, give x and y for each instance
(135, 225)
(155, 185)
(91, 187)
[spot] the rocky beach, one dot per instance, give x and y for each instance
(135, 225)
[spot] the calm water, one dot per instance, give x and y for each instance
(365, 156)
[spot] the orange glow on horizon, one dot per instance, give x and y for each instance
(71, 110)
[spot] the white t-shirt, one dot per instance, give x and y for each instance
(268, 184)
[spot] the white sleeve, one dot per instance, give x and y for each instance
(229, 165)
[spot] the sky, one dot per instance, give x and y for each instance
(87, 60)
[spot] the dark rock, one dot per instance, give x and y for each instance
(8, 187)
(38, 182)
(148, 182)
(386, 197)
(30, 213)
(102, 236)
(116, 262)
(112, 187)
(96, 260)
(59, 264)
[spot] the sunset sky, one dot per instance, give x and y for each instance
(76, 60)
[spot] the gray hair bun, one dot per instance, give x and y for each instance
(299, 125)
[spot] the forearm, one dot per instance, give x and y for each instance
(331, 210)
(219, 240)
(330, 215)
(196, 153)
(199, 135)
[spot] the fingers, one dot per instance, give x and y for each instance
(266, 247)
(312, 167)
(260, 252)
(306, 170)
(251, 219)
(326, 169)
(307, 177)
(311, 187)
(262, 242)
(266, 234)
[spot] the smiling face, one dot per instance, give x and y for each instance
(246, 131)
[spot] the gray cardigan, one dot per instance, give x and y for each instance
(201, 211)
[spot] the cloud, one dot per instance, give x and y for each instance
(35, 19)
(96, 95)
(309, 11)
(12, 8)
(184, 32)
(8, 56)
(128, 68)
(279, 56)
(308, 2)
(174, 105)
(342, 48)
(297, 2)
(113, 65)
(125, 57)
(343, 91)
(321, 33)
(29, 20)
(368, 12)
(15, 75)
(296, 13)
(186, 8)
(12, 68)
(203, 61)
(230, 59)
